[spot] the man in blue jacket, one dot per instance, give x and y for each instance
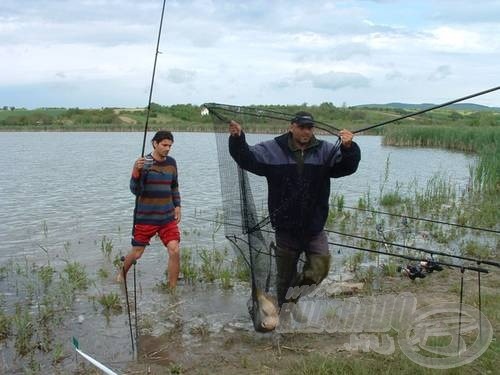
(298, 168)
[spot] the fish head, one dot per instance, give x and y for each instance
(265, 317)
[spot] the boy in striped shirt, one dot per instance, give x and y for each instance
(158, 205)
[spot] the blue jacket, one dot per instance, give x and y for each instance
(298, 181)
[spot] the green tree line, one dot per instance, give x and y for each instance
(181, 116)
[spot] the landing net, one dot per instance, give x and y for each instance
(244, 195)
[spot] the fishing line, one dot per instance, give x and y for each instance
(432, 252)
(424, 219)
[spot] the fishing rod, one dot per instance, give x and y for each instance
(479, 270)
(432, 252)
(471, 268)
(427, 109)
(153, 79)
(135, 306)
(128, 304)
(214, 107)
(424, 219)
(137, 196)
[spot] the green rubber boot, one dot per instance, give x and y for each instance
(286, 267)
(315, 270)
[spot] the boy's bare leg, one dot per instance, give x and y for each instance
(173, 263)
(134, 255)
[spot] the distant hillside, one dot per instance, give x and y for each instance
(408, 106)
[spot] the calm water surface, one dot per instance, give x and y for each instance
(72, 188)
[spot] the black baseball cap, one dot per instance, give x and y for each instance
(303, 118)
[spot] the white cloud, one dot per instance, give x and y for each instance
(440, 73)
(254, 51)
(180, 75)
(332, 80)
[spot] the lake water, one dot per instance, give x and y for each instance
(60, 193)
(72, 188)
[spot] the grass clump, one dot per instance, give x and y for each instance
(46, 275)
(76, 275)
(5, 325)
(106, 246)
(211, 264)
(111, 302)
(189, 269)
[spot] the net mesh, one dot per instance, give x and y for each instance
(246, 219)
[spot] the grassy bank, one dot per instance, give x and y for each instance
(443, 287)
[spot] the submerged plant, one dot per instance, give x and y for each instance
(188, 268)
(46, 274)
(45, 229)
(390, 269)
(225, 278)
(211, 264)
(241, 269)
(106, 246)
(5, 325)
(111, 302)
(76, 275)
(24, 328)
(102, 273)
(58, 353)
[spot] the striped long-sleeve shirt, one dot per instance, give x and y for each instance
(158, 193)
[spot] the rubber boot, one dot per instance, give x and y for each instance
(315, 270)
(286, 267)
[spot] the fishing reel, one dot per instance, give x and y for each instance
(412, 271)
(430, 265)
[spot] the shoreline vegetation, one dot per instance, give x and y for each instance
(188, 118)
(45, 295)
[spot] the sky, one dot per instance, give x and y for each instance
(100, 53)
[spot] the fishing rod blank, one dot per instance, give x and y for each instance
(478, 261)
(213, 107)
(472, 268)
(153, 79)
(135, 304)
(142, 155)
(124, 275)
(432, 252)
(424, 219)
(427, 109)
(275, 115)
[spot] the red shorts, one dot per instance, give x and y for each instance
(167, 232)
